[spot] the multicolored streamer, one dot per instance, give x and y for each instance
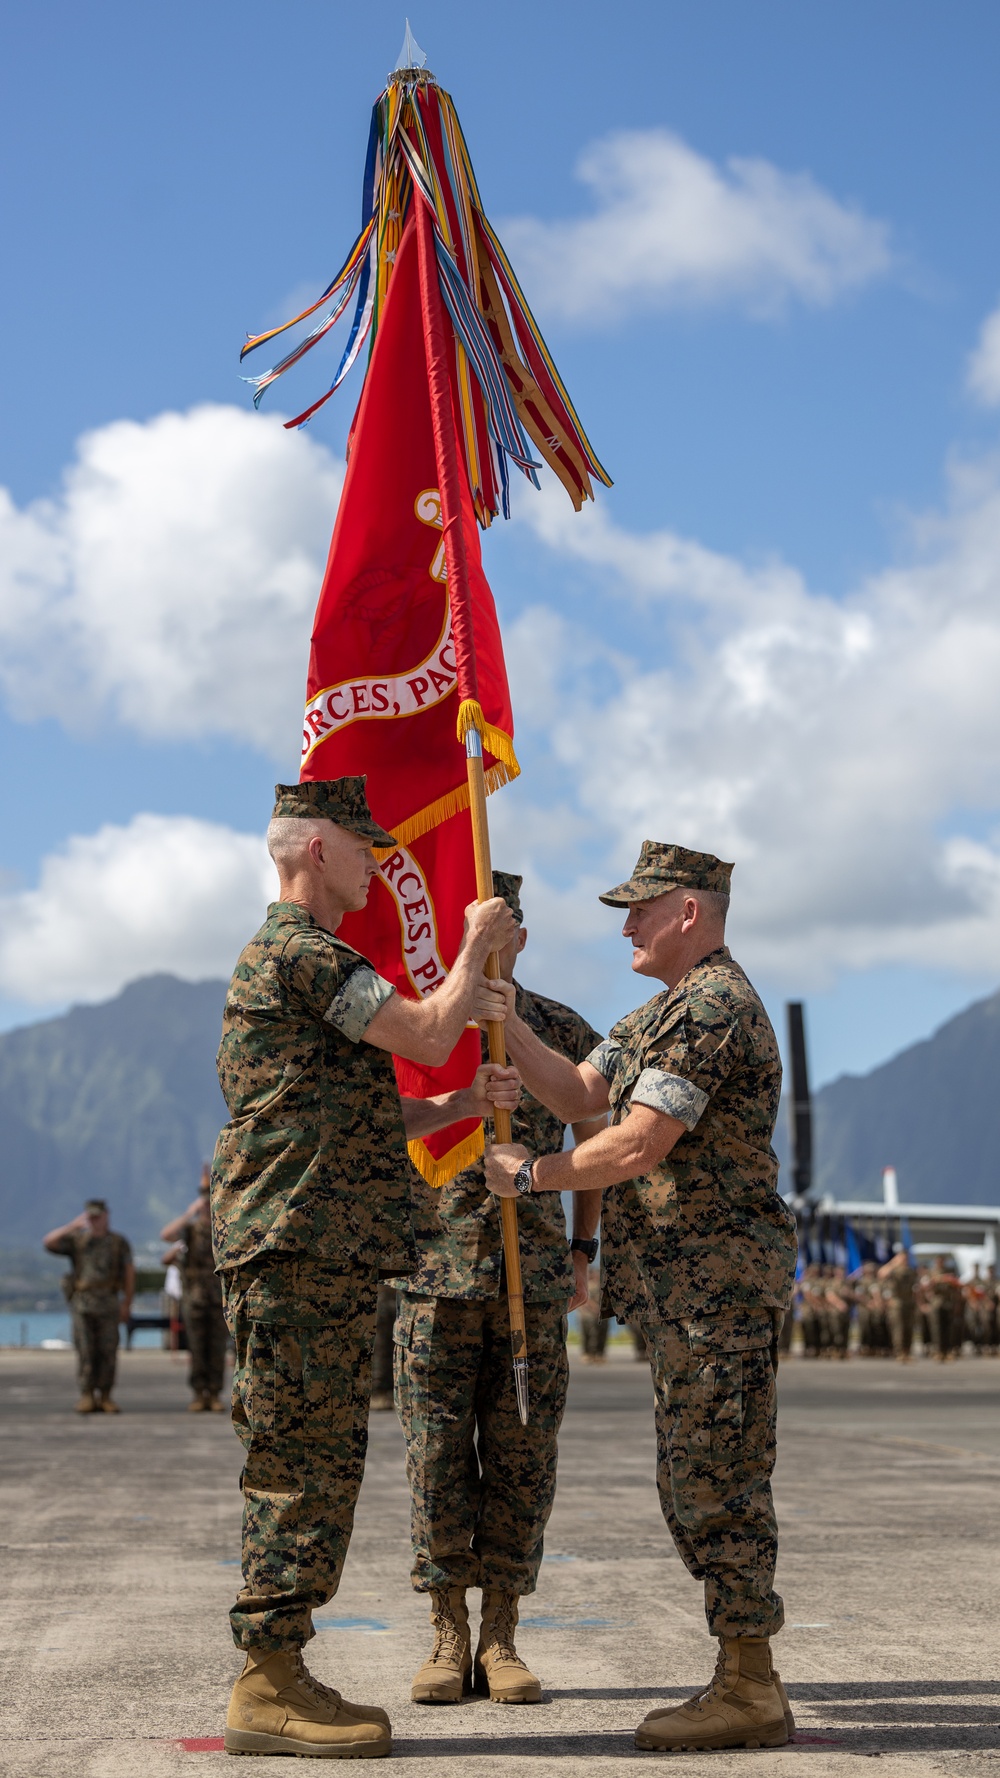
(509, 394)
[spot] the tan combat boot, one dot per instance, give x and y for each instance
(86, 1404)
(198, 1405)
(446, 1675)
(499, 1669)
(277, 1707)
(742, 1707)
(786, 1708)
(108, 1406)
(364, 1712)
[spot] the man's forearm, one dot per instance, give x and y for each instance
(421, 1117)
(427, 1031)
(59, 1234)
(553, 1078)
(622, 1151)
(586, 1214)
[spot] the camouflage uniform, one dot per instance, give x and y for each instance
(201, 1307)
(481, 1484)
(310, 1201)
(902, 1309)
(944, 1307)
(702, 1252)
(99, 1263)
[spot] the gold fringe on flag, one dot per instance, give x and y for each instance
(438, 1173)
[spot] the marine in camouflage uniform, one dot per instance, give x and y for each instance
(100, 1286)
(310, 1203)
(201, 1300)
(481, 1484)
(900, 1279)
(700, 1250)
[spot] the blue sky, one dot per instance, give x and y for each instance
(776, 635)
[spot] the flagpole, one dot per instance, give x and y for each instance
(442, 417)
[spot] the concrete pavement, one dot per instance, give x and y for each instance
(121, 1555)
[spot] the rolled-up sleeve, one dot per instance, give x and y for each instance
(606, 1058)
(354, 1006)
(671, 1094)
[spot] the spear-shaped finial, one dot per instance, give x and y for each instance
(411, 55)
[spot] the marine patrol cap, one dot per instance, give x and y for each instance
(98, 1204)
(508, 885)
(661, 867)
(342, 800)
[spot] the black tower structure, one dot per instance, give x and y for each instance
(801, 1110)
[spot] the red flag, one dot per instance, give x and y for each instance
(393, 668)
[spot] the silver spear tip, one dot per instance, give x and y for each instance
(521, 1388)
(411, 55)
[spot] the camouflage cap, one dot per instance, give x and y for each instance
(508, 885)
(342, 800)
(98, 1204)
(661, 867)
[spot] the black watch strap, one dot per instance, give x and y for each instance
(587, 1247)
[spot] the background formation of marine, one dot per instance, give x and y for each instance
(895, 1307)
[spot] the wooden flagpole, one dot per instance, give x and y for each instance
(498, 1053)
(443, 421)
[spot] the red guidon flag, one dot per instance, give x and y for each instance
(389, 669)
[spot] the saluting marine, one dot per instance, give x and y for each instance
(99, 1289)
(310, 1202)
(699, 1249)
(481, 1483)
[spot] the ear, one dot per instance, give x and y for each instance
(522, 939)
(315, 849)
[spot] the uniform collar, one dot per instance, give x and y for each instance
(721, 954)
(290, 910)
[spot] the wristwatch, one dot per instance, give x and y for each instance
(587, 1247)
(522, 1178)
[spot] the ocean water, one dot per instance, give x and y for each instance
(31, 1328)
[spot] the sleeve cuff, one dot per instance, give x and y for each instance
(670, 1093)
(605, 1058)
(354, 1006)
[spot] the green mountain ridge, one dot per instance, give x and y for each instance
(118, 1101)
(932, 1112)
(121, 1101)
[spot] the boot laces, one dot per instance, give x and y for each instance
(449, 1643)
(304, 1678)
(502, 1633)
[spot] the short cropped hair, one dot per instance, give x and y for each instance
(714, 902)
(289, 835)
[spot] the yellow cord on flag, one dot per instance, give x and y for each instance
(470, 715)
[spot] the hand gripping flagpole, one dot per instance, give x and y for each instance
(456, 563)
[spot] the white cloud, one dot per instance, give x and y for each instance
(670, 227)
(984, 362)
(164, 893)
(845, 754)
(172, 584)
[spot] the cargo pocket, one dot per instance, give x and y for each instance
(714, 1409)
(718, 1344)
(402, 1327)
